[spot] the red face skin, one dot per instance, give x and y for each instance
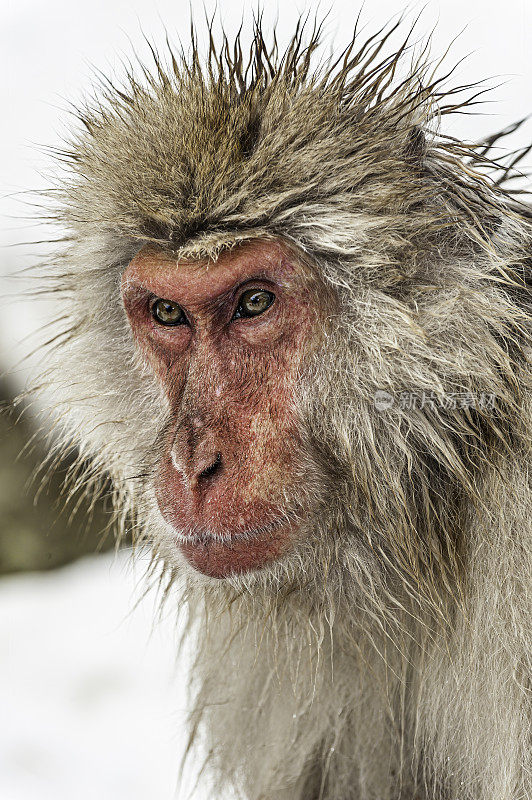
(230, 384)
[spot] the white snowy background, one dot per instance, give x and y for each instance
(92, 701)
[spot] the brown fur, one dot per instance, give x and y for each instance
(388, 656)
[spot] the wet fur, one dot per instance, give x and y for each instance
(388, 657)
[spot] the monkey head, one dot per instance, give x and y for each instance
(253, 252)
(226, 341)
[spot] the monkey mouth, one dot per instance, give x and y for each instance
(222, 553)
(203, 535)
(234, 537)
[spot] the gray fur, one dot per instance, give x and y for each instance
(388, 657)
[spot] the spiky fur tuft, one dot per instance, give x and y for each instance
(389, 657)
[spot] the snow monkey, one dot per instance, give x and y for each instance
(294, 331)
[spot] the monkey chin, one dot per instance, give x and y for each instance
(222, 557)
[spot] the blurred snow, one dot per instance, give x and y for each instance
(92, 701)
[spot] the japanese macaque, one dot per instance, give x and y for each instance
(295, 332)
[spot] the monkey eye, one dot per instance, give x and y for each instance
(253, 302)
(166, 312)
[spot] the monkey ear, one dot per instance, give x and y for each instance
(415, 147)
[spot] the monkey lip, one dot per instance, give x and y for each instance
(219, 554)
(207, 535)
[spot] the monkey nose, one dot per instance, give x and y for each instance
(205, 469)
(198, 469)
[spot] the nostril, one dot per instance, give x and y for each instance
(212, 468)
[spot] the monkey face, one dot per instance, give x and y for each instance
(226, 341)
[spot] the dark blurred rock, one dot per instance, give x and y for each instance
(35, 532)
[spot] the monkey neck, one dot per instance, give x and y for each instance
(284, 685)
(265, 671)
